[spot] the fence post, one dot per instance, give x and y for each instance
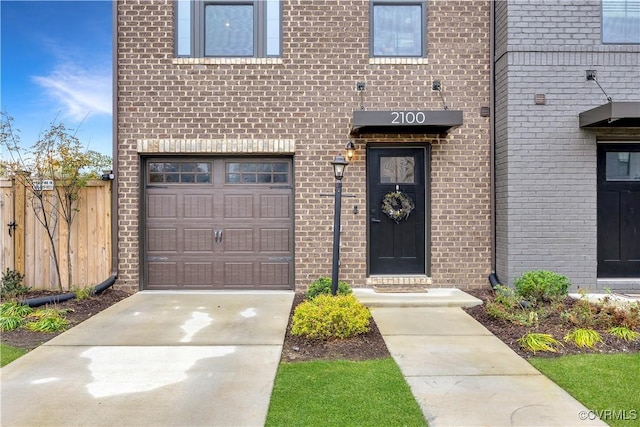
(19, 203)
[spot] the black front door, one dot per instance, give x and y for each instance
(619, 210)
(396, 246)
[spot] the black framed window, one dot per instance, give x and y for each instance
(621, 21)
(398, 28)
(228, 28)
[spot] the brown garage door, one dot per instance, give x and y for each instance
(218, 224)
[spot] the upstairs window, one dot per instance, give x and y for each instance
(398, 28)
(621, 21)
(228, 28)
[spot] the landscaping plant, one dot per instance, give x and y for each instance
(539, 342)
(327, 316)
(12, 315)
(84, 293)
(624, 333)
(542, 286)
(322, 285)
(583, 337)
(11, 285)
(47, 320)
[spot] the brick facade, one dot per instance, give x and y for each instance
(301, 105)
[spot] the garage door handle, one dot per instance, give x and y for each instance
(217, 236)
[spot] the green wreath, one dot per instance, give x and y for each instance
(397, 206)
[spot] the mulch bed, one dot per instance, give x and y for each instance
(509, 333)
(81, 310)
(362, 347)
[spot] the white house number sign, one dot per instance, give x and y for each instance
(408, 117)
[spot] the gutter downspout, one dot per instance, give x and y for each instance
(114, 140)
(493, 278)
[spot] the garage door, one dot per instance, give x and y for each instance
(218, 224)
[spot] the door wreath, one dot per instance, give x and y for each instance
(397, 206)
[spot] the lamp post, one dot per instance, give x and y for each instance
(339, 165)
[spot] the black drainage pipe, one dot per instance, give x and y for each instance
(36, 302)
(493, 280)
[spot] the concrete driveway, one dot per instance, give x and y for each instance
(155, 358)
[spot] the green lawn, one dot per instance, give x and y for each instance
(606, 384)
(343, 393)
(9, 354)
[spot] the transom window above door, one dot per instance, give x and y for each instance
(398, 28)
(228, 28)
(623, 166)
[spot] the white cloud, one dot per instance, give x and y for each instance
(78, 91)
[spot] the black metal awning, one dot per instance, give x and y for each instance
(419, 122)
(612, 115)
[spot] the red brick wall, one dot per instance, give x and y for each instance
(309, 97)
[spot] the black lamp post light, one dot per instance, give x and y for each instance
(339, 165)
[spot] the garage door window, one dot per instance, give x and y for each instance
(257, 173)
(180, 172)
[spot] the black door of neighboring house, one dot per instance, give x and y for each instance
(396, 247)
(618, 210)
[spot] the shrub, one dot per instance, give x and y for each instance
(542, 285)
(582, 313)
(323, 286)
(583, 337)
(628, 316)
(327, 316)
(506, 296)
(12, 284)
(539, 342)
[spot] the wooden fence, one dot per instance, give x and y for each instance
(26, 247)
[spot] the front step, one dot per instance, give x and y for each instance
(401, 289)
(434, 297)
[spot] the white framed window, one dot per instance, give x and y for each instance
(228, 28)
(621, 21)
(398, 28)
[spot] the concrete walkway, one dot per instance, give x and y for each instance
(210, 359)
(155, 359)
(459, 372)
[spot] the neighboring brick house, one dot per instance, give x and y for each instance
(230, 112)
(567, 158)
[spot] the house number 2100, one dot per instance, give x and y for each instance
(408, 118)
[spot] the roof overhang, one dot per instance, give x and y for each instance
(612, 115)
(417, 122)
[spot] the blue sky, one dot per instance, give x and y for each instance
(56, 64)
